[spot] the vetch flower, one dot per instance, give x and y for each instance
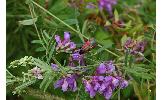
(68, 82)
(64, 45)
(134, 47)
(76, 56)
(107, 4)
(103, 85)
(123, 84)
(37, 72)
(54, 67)
(89, 88)
(106, 67)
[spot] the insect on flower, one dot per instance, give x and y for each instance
(87, 46)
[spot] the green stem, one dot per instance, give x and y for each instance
(119, 94)
(109, 51)
(36, 27)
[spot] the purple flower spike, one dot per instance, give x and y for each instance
(64, 45)
(54, 67)
(134, 47)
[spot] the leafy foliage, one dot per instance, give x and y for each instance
(31, 29)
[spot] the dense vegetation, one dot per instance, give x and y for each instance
(81, 49)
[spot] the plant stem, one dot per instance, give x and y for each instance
(119, 94)
(36, 27)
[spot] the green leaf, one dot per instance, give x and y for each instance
(103, 37)
(40, 49)
(41, 64)
(45, 33)
(48, 83)
(51, 52)
(116, 15)
(84, 26)
(70, 21)
(28, 22)
(139, 72)
(59, 6)
(136, 89)
(24, 85)
(123, 40)
(45, 79)
(37, 41)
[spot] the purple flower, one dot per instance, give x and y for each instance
(103, 85)
(37, 72)
(123, 84)
(106, 67)
(54, 67)
(140, 46)
(72, 45)
(98, 84)
(89, 88)
(101, 69)
(76, 56)
(71, 63)
(107, 93)
(57, 38)
(59, 83)
(134, 47)
(107, 4)
(66, 83)
(64, 45)
(66, 36)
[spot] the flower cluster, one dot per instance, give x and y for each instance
(134, 47)
(37, 72)
(64, 45)
(104, 82)
(107, 4)
(104, 85)
(68, 82)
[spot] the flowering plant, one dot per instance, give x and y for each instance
(87, 50)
